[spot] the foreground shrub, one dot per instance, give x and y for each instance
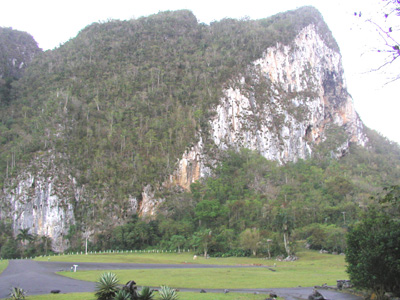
(166, 293)
(17, 294)
(373, 254)
(122, 295)
(107, 286)
(145, 294)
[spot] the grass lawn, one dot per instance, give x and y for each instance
(311, 269)
(155, 258)
(71, 296)
(3, 265)
(182, 296)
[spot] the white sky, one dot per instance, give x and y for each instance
(52, 23)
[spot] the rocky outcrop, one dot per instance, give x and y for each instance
(282, 107)
(149, 202)
(42, 199)
(191, 167)
(285, 102)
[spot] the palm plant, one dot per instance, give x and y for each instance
(166, 293)
(145, 294)
(107, 286)
(17, 294)
(122, 295)
(24, 235)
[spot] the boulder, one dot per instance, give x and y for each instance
(272, 295)
(343, 284)
(316, 296)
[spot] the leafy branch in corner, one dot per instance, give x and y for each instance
(388, 33)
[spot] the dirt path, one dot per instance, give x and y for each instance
(39, 278)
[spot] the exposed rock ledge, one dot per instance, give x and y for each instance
(305, 93)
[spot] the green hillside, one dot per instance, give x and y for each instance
(121, 102)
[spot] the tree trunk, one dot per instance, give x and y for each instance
(379, 292)
(286, 243)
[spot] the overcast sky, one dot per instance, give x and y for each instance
(52, 23)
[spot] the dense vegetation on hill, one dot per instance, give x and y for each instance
(317, 200)
(17, 49)
(122, 101)
(130, 95)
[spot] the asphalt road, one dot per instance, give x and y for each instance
(39, 278)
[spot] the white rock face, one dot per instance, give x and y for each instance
(282, 107)
(149, 202)
(283, 104)
(42, 201)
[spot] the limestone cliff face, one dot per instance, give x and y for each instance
(149, 202)
(190, 168)
(42, 199)
(283, 106)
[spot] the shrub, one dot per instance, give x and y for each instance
(321, 236)
(107, 286)
(166, 293)
(145, 294)
(122, 295)
(17, 294)
(373, 255)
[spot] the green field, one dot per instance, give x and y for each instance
(187, 258)
(311, 269)
(182, 296)
(3, 265)
(156, 258)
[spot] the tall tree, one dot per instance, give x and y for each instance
(373, 254)
(203, 239)
(284, 224)
(24, 236)
(178, 241)
(250, 239)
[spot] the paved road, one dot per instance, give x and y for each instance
(39, 278)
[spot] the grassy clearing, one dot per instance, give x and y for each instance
(187, 258)
(71, 296)
(182, 296)
(155, 258)
(312, 269)
(3, 265)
